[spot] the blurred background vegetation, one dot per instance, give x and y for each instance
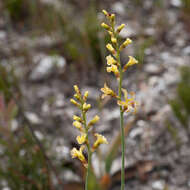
(48, 45)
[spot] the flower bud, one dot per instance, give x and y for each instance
(112, 18)
(110, 48)
(105, 13)
(113, 40)
(132, 61)
(118, 30)
(86, 107)
(76, 88)
(94, 120)
(77, 124)
(74, 102)
(100, 140)
(77, 118)
(85, 96)
(125, 43)
(105, 26)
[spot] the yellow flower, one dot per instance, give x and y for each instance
(105, 26)
(125, 43)
(85, 96)
(78, 154)
(129, 103)
(77, 96)
(76, 88)
(107, 91)
(77, 124)
(111, 60)
(74, 102)
(110, 48)
(86, 106)
(110, 33)
(81, 139)
(77, 118)
(114, 40)
(112, 18)
(100, 140)
(105, 13)
(132, 61)
(118, 30)
(94, 120)
(113, 69)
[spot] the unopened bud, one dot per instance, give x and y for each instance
(86, 106)
(105, 26)
(125, 43)
(85, 96)
(118, 30)
(74, 102)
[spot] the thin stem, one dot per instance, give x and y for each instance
(89, 151)
(121, 117)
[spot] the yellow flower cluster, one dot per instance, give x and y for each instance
(114, 64)
(81, 124)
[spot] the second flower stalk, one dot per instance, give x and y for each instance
(114, 65)
(80, 122)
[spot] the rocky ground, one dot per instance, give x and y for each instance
(46, 86)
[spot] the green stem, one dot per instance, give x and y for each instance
(89, 151)
(121, 119)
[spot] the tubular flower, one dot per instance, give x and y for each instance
(100, 140)
(129, 103)
(81, 139)
(77, 124)
(74, 102)
(106, 13)
(113, 40)
(77, 118)
(125, 43)
(94, 120)
(110, 48)
(118, 30)
(132, 61)
(113, 69)
(107, 91)
(76, 88)
(79, 154)
(85, 96)
(107, 27)
(111, 60)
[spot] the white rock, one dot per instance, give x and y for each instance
(68, 175)
(59, 102)
(62, 151)
(6, 188)
(158, 185)
(39, 135)
(14, 125)
(176, 3)
(2, 35)
(119, 8)
(153, 69)
(46, 65)
(186, 50)
(33, 118)
(135, 132)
